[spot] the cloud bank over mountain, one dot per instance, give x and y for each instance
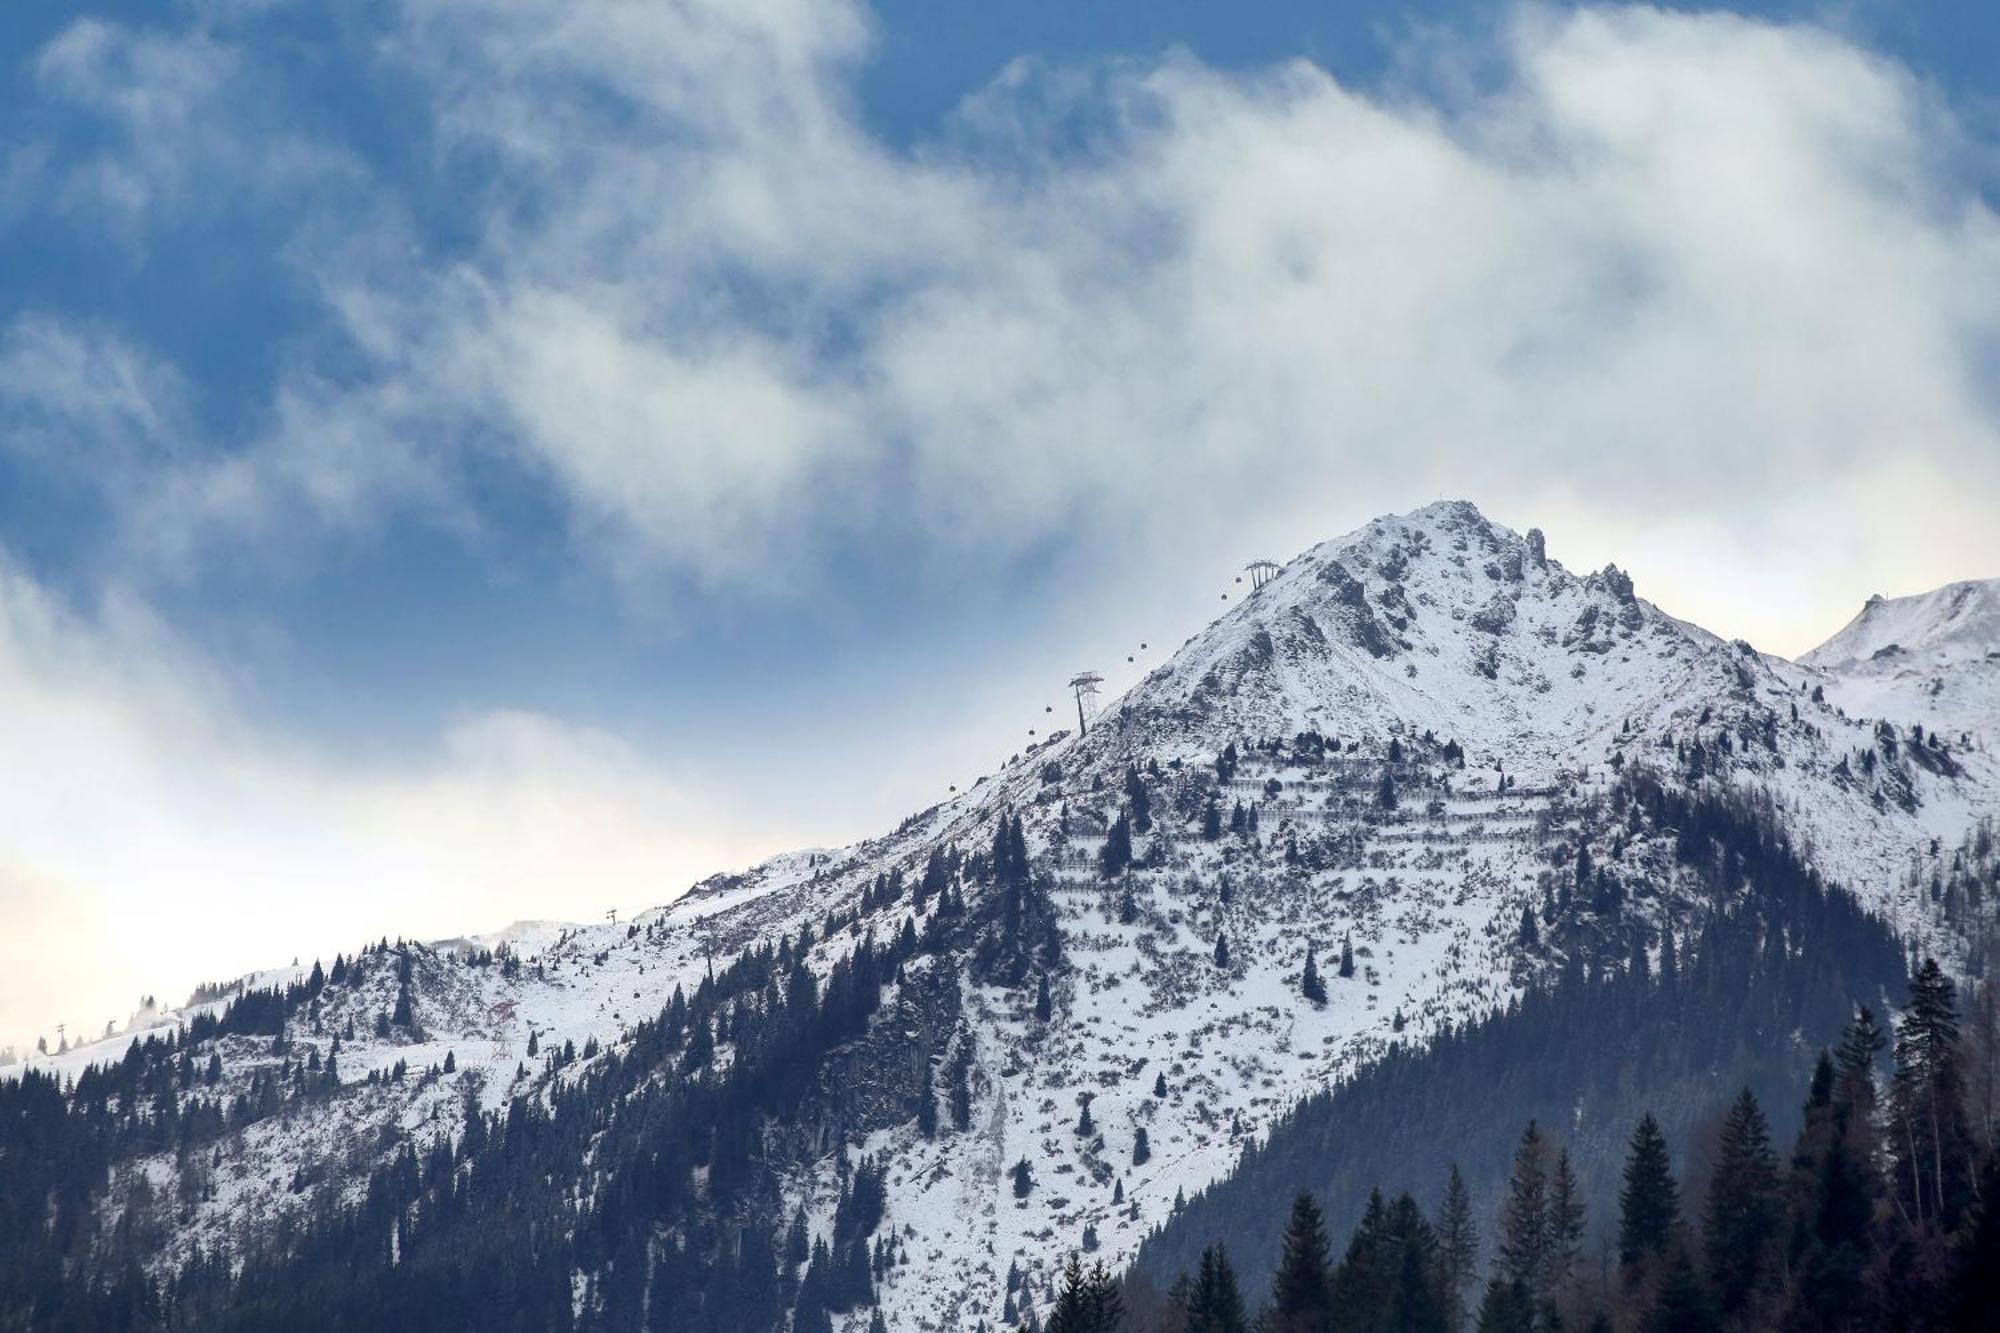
(1642, 258)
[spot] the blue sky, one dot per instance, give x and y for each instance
(461, 462)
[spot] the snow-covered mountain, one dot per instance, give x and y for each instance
(1393, 750)
(1932, 659)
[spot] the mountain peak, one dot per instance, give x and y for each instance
(1435, 619)
(1959, 622)
(1932, 659)
(1449, 513)
(1437, 517)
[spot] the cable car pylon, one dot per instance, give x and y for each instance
(1085, 684)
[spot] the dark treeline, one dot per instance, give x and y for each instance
(488, 1230)
(1775, 968)
(632, 1188)
(58, 1143)
(640, 1187)
(1884, 1215)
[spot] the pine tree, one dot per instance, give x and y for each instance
(1106, 1305)
(1649, 1200)
(1346, 956)
(1138, 799)
(1740, 1220)
(1300, 1300)
(1458, 1245)
(1310, 984)
(1364, 1280)
(1160, 1084)
(1128, 907)
(1142, 1147)
(1216, 1304)
(1211, 821)
(1861, 1046)
(1086, 1128)
(933, 882)
(1116, 855)
(1024, 1179)
(1044, 1002)
(1416, 1300)
(1008, 859)
(1565, 1226)
(1222, 950)
(1836, 1185)
(1523, 1240)
(1073, 1312)
(1930, 1145)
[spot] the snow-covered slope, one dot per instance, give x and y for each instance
(1405, 738)
(1932, 659)
(1959, 622)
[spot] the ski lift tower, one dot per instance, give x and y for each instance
(1085, 684)
(1261, 572)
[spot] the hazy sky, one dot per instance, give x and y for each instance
(469, 461)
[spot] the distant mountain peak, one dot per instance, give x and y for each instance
(1932, 659)
(1959, 622)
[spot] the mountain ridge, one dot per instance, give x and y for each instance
(1931, 659)
(1956, 622)
(1409, 740)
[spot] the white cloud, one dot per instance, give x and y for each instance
(188, 128)
(151, 839)
(707, 451)
(1671, 259)
(88, 397)
(1666, 270)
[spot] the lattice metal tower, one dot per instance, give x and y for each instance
(1085, 684)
